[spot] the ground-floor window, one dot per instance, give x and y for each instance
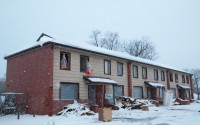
(138, 92)
(118, 90)
(69, 91)
(174, 92)
(187, 93)
(161, 92)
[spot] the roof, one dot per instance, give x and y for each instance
(99, 80)
(155, 84)
(184, 87)
(46, 39)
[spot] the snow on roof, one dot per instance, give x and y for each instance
(102, 80)
(88, 47)
(185, 87)
(155, 84)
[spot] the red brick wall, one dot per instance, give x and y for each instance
(32, 73)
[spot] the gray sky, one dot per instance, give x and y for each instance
(173, 25)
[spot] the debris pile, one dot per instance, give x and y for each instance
(130, 103)
(75, 109)
(180, 101)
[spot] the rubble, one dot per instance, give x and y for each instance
(182, 102)
(75, 109)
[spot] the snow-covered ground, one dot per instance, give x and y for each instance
(173, 115)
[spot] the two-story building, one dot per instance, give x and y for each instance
(54, 73)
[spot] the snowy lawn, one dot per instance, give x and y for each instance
(173, 115)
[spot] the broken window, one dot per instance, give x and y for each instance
(155, 74)
(135, 71)
(69, 91)
(107, 67)
(162, 75)
(64, 61)
(144, 72)
(119, 69)
(138, 91)
(83, 63)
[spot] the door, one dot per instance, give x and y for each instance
(92, 94)
(100, 95)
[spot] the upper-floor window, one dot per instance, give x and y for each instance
(119, 69)
(84, 60)
(155, 74)
(187, 79)
(171, 77)
(64, 61)
(144, 72)
(183, 79)
(176, 77)
(135, 71)
(162, 75)
(107, 67)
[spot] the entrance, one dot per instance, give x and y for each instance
(96, 95)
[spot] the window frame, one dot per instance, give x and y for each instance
(83, 56)
(134, 72)
(156, 74)
(183, 78)
(176, 77)
(141, 89)
(108, 67)
(171, 79)
(119, 63)
(60, 91)
(162, 75)
(144, 77)
(69, 60)
(187, 79)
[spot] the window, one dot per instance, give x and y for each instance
(174, 92)
(118, 90)
(176, 77)
(107, 67)
(171, 77)
(183, 79)
(69, 91)
(120, 69)
(64, 61)
(155, 74)
(138, 92)
(187, 79)
(135, 71)
(161, 92)
(162, 75)
(84, 60)
(144, 72)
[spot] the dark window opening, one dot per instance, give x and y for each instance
(183, 79)
(187, 79)
(135, 71)
(171, 77)
(162, 75)
(120, 69)
(144, 72)
(155, 74)
(107, 67)
(84, 61)
(176, 77)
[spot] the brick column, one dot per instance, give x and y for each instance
(130, 87)
(191, 87)
(168, 83)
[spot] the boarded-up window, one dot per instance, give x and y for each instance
(118, 90)
(64, 61)
(119, 69)
(69, 91)
(155, 74)
(137, 90)
(144, 72)
(83, 63)
(107, 67)
(162, 75)
(135, 71)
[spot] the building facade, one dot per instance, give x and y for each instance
(55, 74)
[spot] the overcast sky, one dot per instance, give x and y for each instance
(172, 25)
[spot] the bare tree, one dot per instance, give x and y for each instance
(2, 84)
(143, 48)
(196, 81)
(96, 38)
(111, 40)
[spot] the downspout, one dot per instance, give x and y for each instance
(191, 87)
(130, 90)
